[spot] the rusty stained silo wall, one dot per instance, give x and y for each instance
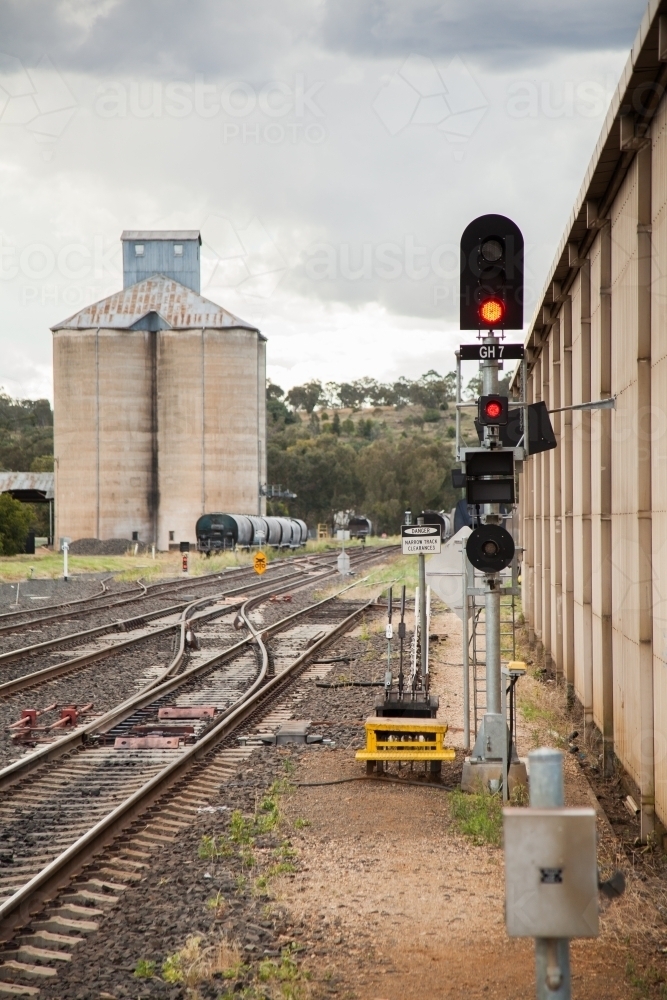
(102, 433)
(210, 420)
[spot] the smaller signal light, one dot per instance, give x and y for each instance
(491, 311)
(492, 410)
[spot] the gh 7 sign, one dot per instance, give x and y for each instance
(420, 538)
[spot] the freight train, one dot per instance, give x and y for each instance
(217, 532)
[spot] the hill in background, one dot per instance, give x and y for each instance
(378, 449)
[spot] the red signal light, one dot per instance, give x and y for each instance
(492, 410)
(491, 311)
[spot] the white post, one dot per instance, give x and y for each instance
(552, 955)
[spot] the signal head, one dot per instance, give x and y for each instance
(492, 410)
(490, 548)
(491, 290)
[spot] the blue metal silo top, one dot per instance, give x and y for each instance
(172, 252)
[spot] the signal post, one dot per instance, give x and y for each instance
(491, 302)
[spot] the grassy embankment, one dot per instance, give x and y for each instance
(46, 564)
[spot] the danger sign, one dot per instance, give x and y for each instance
(259, 563)
(418, 538)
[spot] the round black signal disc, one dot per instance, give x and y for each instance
(490, 548)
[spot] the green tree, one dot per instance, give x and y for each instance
(305, 397)
(26, 432)
(43, 463)
(15, 521)
(322, 472)
(407, 474)
(474, 387)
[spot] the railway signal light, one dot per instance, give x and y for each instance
(491, 311)
(492, 410)
(490, 548)
(492, 275)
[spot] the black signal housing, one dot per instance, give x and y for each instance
(493, 410)
(491, 295)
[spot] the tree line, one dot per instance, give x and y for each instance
(376, 466)
(431, 390)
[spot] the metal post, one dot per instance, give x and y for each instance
(492, 617)
(65, 551)
(458, 400)
(422, 611)
(389, 634)
(466, 654)
(552, 955)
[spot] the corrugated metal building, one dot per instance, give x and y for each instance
(594, 511)
(159, 403)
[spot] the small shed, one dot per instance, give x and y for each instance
(31, 487)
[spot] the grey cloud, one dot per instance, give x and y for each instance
(219, 37)
(510, 33)
(154, 37)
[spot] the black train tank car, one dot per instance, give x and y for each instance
(359, 526)
(220, 532)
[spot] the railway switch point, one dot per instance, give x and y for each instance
(146, 743)
(187, 712)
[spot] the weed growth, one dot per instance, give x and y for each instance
(478, 817)
(145, 969)
(197, 963)
(646, 985)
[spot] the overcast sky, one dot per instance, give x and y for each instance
(330, 151)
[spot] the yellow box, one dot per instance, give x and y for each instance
(405, 739)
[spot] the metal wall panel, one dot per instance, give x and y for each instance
(580, 501)
(567, 493)
(158, 257)
(555, 503)
(597, 600)
(625, 540)
(659, 452)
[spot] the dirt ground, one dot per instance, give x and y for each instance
(395, 904)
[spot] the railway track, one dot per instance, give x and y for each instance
(58, 690)
(47, 838)
(25, 619)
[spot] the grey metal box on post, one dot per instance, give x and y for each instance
(551, 888)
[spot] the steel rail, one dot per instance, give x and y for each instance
(64, 604)
(151, 590)
(49, 673)
(121, 624)
(31, 898)
(17, 770)
(55, 670)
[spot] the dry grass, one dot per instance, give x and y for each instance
(197, 963)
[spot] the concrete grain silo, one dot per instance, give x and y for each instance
(159, 411)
